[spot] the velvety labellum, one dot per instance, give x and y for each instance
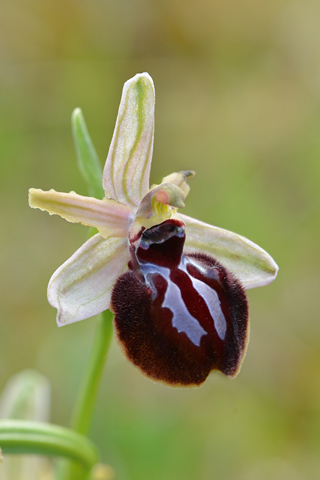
(179, 316)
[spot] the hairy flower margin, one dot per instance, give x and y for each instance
(83, 285)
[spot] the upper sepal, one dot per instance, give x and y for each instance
(127, 169)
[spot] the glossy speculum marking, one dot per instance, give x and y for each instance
(179, 316)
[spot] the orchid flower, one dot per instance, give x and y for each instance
(175, 284)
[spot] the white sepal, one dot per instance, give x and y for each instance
(127, 169)
(82, 286)
(252, 265)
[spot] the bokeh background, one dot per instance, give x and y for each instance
(238, 100)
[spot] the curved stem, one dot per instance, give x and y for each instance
(20, 436)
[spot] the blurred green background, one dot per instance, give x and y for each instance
(238, 100)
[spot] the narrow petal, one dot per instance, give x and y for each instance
(82, 286)
(108, 216)
(127, 169)
(252, 265)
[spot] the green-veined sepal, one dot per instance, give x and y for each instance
(127, 169)
(82, 286)
(252, 265)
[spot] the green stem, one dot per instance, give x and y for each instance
(21, 436)
(85, 405)
(84, 408)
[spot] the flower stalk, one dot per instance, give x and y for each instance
(85, 404)
(84, 408)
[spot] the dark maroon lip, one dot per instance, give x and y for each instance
(179, 316)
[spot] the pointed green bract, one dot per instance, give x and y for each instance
(127, 169)
(88, 161)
